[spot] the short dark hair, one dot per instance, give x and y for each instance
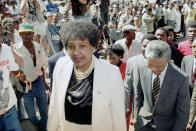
(149, 9)
(80, 29)
(192, 24)
(138, 16)
(149, 37)
(16, 21)
(162, 28)
(169, 28)
(115, 49)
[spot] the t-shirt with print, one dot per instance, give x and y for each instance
(7, 64)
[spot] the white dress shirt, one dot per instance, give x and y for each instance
(147, 22)
(133, 50)
(31, 71)
(171, 14)
(194, 65)
(161, 76)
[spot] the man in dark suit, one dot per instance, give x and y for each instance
(132, 65)
(131, 76)
(161, 101)
(52, 62)
(162, 34)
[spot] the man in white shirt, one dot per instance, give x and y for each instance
(14, 10)
(33, 83)
(8, 101)
(170, 15)
(141, 31)
(148, 20)
(130, 45)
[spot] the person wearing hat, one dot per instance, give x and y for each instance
(32, 71)
(130, 45)
(148, 20)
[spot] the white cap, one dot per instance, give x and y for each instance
(49, 14)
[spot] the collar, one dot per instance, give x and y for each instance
(120, 62)
(189, 43)
(162, 74)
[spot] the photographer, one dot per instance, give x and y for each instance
(33, 12)
(9, 34)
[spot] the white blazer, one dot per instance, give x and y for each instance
(108, 111)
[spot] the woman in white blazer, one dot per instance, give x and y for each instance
(87, 93)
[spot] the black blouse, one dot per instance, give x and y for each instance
(78, 100)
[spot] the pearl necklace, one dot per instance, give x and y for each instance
(82, 75)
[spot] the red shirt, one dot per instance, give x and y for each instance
(185, 48)
(122, 69)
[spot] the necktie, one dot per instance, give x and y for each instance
(156, 89)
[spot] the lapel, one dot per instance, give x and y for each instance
(190, 65)
(98, 90)
(166, 85)
(28, 55)
(63, 81)
(147, 87)
(125, 45)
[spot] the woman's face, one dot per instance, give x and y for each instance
(80, 52)
(114, 59)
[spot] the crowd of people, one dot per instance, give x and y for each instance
(93, 65)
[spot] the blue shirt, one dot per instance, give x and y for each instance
(52, 8)
(53, 29)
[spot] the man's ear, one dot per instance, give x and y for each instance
(121, 56)
(169, 59)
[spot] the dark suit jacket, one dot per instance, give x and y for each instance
(171, 111)
(52, 62)
(176, 56)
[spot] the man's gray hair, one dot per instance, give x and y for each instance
(158, 49)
